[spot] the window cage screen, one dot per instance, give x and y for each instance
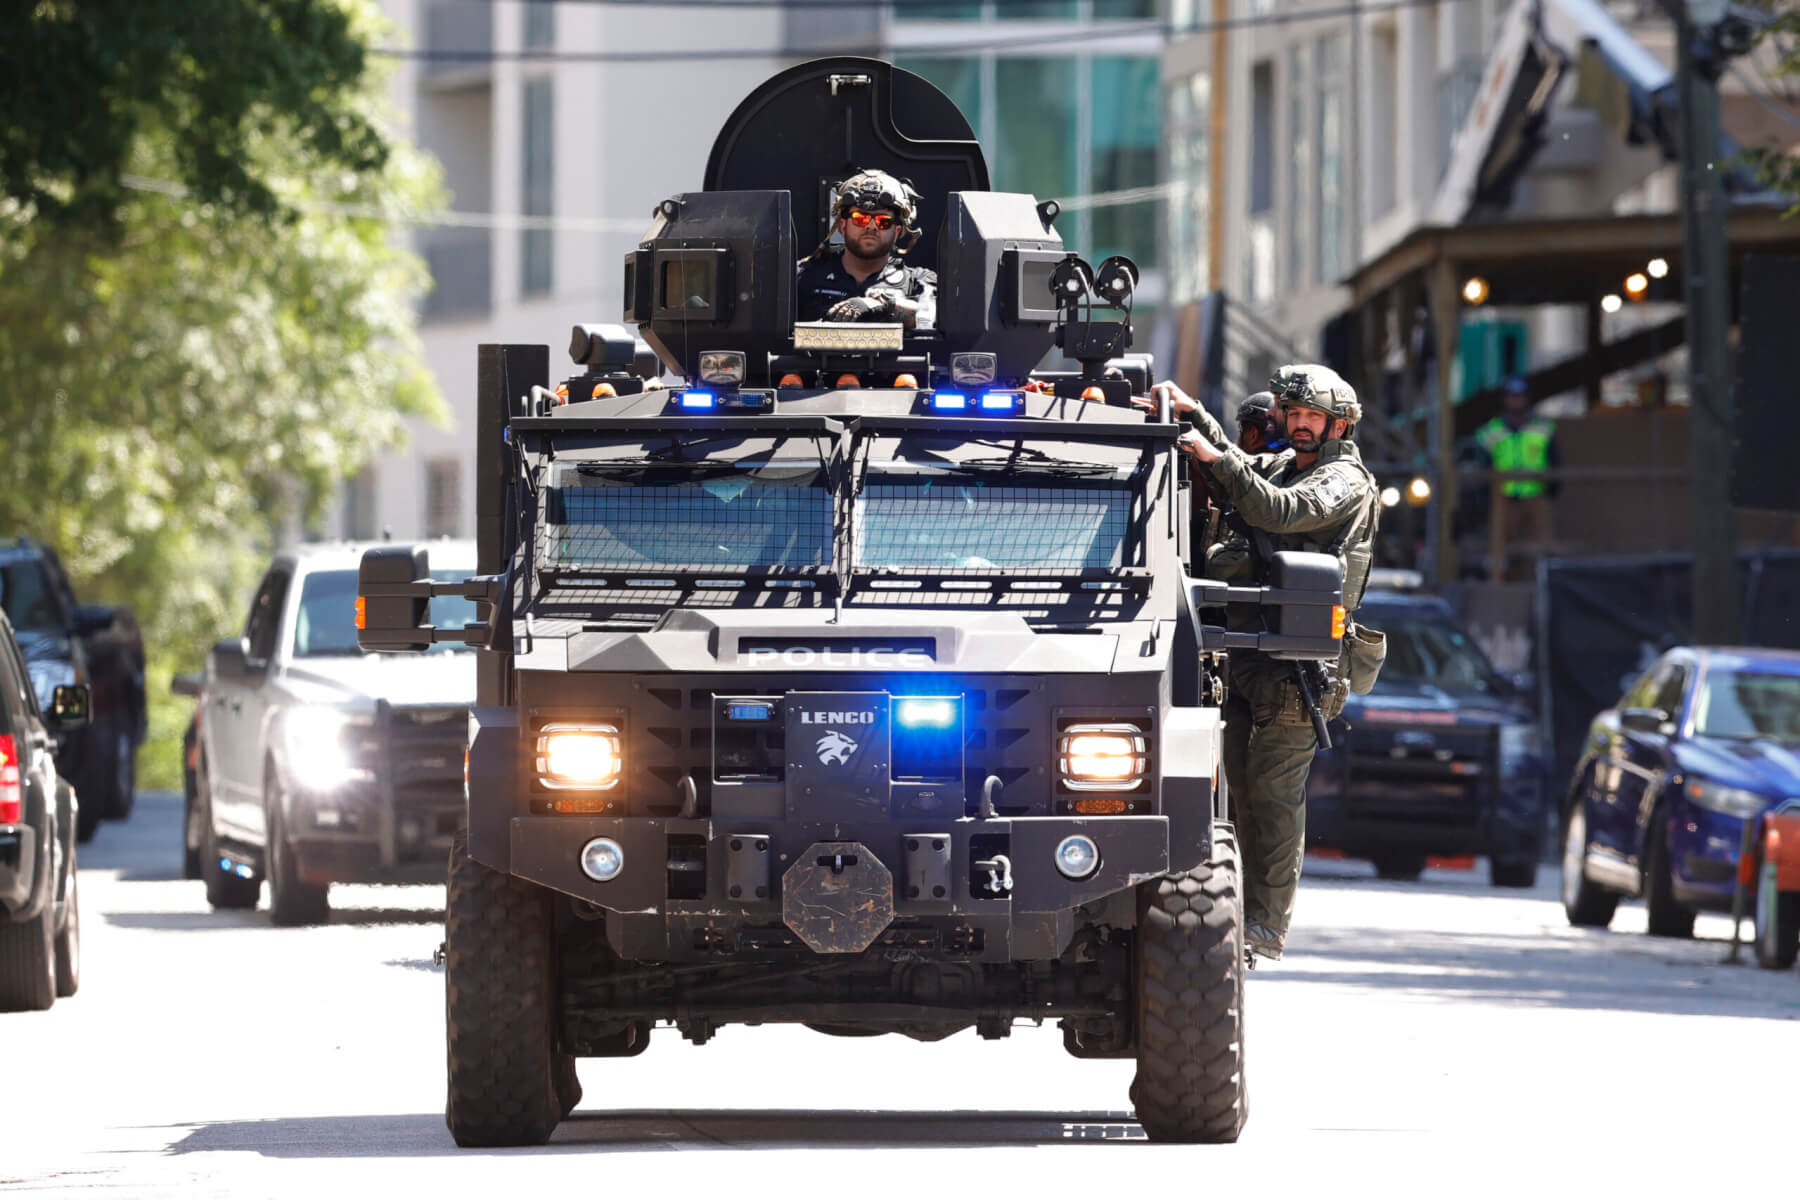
(962, 524)
(729, 522)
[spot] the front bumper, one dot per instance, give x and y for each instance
(361, 834)
(1705, 847)
(689, 887)
(1364, 805)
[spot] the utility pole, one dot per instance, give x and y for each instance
(1706, 280)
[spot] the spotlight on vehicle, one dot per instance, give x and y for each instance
(1077, 856)
(1658, 268)
(973, 369)
(722, 368)
(1390, 496)
(1419, 490)
(1475, 290)
(1636, 284)
(602, 859)
(1610, 303)
(1116, 280)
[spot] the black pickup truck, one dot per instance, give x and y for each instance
(64, 643)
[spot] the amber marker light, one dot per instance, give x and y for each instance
(362, 613)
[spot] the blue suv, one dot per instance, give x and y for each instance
(1706, 740)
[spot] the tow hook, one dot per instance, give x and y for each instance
(999, 874)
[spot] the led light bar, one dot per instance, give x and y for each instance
(699, 400)
(848, 337)
(919, 712)
(949, 401)
(1001, 401)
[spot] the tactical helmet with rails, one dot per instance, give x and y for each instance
(877, 191)
(1309, 385)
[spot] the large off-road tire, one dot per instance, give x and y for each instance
(1399, 865)
(500, 1009)
(1777, 921)
(68, 940)
(87, 817)
(1190, 1084)
(292, 901)
(1585, 902)
(224, 890)
(1667, 916)
(28, 962)
(118, 779)
(568, 1084)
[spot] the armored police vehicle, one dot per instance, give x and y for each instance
(857, 680)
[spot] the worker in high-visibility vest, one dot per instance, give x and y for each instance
(1518, 441)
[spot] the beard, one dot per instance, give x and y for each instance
(872, 253)
(1304, 440)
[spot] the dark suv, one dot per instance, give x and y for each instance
(40, 925)
(64, 642)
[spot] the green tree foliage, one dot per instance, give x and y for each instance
(205, 320)
(1773, 70)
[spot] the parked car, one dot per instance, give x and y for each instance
(1706, 740)
(1778, 886)
(40, 913)
(64, 643)
(318, 763)
(1441, 758)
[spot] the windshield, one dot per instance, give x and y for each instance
(326, 622)
(1748, 704)
(1425, 647)
(689, 519)
(25, 594)
(955, 521)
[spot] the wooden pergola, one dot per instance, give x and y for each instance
(1564, 261)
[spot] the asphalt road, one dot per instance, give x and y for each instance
(1441, 1038)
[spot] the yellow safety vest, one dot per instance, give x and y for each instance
(1526, 448)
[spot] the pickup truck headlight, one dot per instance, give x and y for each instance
(319, 751)
(1733, 802)
(580, 757)
(1102, 758)
(1517, 744)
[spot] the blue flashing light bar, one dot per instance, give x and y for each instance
(749, 711)
(699, 399)
(999, 401)
(949, 401)
(916, 713)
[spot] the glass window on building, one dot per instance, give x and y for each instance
(957, 77)
(1125, 10)
(535, 259)
(443, 497)
(1328, 90)
(1035, 135)
(1126, 130)
(540, 24)
(359, 506)
(1035, 10)
(1259, 256)
(911, 10)
(1300, 167)
(1185, 251)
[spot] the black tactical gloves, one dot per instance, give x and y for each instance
(876, 306)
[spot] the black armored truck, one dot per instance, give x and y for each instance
(856, 678)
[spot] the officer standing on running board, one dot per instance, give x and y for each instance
(1316, 496)
(877, 216)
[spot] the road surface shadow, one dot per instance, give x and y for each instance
(1581, 969)
(424, 1136)
(204, 922)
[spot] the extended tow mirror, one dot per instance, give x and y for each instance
(1643, 720)
(70, 705)
(393, 599)
(90, 619)
(1306, 595)
(230, 659)
(186, 685)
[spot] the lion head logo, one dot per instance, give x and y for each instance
(834, 747)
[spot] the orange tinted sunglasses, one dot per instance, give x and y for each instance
(863, 220)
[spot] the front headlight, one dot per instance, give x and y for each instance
(580, 757)
(1732, 802)
(319, 750)
(1102, 758)
(1517, 744)
(46, 676)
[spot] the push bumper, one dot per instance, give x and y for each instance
(362, 836)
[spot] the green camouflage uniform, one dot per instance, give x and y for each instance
(1269, 739)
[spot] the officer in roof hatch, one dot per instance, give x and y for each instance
(877, 216)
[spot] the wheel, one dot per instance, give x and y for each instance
(500, 1008)
(1190, 1083)
(87, 818)
(224, 889)
(1777, 921)
(1399, 866)
(1584, 902)
(568, 1084)
(190, 834)
(1667, 916)
(68, 940)
(1513, 872)
(119, 785)
(28, 963)
(292, 901)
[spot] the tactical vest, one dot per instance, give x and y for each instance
(1353, 540)
(1524, 449)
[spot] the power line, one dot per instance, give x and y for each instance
(1087, 33)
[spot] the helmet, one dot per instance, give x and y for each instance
(871, 189)
(1308, 385)
(1256, 409)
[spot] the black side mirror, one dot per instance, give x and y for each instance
(186, 685)
(70, 705)
(90, 619)
(393, 597)
(1643, 720)
(230, 659)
